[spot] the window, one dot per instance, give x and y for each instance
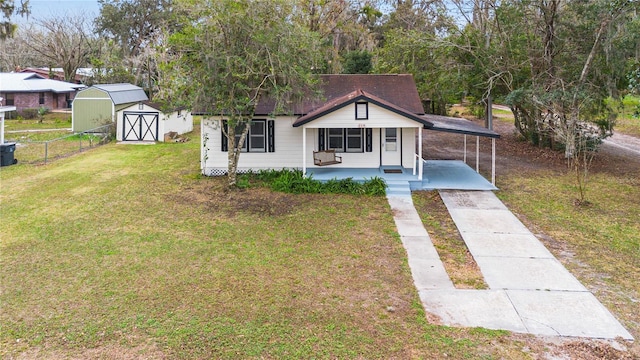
(362, 111)
(354, 140)
(9, 101)
(260, 137)
(41, 99)
(335, 139)
(345, 140)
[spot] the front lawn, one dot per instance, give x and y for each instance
(125, 251)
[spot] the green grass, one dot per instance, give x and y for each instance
(627, 122)
(604, 237)
(50, 121)
(33, 146)
(126, 251)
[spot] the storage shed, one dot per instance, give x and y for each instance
(145, 122)
(98, 104)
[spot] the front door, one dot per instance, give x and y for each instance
(390, 149)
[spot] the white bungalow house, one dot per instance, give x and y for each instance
(362, 122)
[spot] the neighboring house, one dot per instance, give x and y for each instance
(33, 91)
(58, 74)
(99, 104)
(145, 122)
(369, 121)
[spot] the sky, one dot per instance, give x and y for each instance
(47, 8)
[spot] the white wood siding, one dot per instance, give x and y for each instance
(288, 149)
(378, 118)
(288, 142)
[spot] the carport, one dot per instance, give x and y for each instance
(467, 128)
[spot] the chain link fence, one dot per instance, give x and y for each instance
(32, 151)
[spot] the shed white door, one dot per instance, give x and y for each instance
(140, 126)
(390, 148)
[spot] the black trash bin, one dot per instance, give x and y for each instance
(6, 154)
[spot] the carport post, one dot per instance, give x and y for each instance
(493, 161)
(465, 149)
(2, 127)
(478, 154)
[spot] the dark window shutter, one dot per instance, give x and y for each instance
(224, 132)
(320, 139)
(271, 136)
(369, 139)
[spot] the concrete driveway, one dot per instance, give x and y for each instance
(530, 291)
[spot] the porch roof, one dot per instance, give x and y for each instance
(355, 96)
(458, 126)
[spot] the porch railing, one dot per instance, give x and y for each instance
(417, 160)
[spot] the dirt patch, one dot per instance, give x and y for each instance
(212, 193)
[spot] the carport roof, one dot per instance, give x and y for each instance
(123, 93)
(458, 126)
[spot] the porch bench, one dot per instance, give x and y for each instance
(326, 157)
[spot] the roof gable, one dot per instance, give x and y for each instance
(358, 96)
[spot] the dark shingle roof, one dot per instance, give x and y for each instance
(399, 90)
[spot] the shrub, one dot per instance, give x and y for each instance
(29, 113)
(293, 181)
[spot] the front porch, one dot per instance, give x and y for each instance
(437, 175)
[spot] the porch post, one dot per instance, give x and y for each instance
(304, 151)
(493, 161)
(420, 162)
(478, 154)
(465, 149)
(1, 127)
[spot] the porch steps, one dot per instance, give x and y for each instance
(398, 188)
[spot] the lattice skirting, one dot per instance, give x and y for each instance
(223, 171)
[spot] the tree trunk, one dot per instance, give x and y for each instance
(235, 149)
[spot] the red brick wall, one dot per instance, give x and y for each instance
(52, 101)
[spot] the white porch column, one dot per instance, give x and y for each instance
(493, 161)
(478, 154)
(465, 149)
(4, 109)
(420, 161)
(1, 127)
(304, 151)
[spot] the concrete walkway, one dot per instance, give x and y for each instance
(529, 289)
